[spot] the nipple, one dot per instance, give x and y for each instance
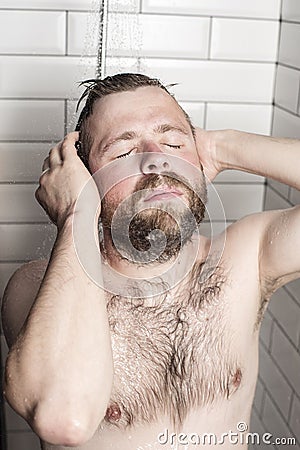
(234, 382)
(113, 413)
(237, 378)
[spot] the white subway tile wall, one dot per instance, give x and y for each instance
(250, 118)
(40, 65)
(248, 8)
(291, 10)
(187, 37)
(288, 49)
(223, 56)
(280, 358)
(255, 39)
(215, 81)
(15, 39)
(287, 88)
(285, 124)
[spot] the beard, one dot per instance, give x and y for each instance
(154, 233)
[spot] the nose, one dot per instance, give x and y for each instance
(154, 160)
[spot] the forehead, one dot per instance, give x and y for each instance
(133, 109)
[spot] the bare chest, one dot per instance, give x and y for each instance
(172, 358)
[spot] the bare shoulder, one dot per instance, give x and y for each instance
(19, 296)
(252, 227)
(243, 238)
(271, 237)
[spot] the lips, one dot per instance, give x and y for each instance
(163, 194)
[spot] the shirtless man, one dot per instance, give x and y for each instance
(95, 369)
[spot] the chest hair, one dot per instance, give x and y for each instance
(175, 356)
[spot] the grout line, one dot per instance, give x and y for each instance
(156, 13)
(17, 261)
(292, 296)
(196, 58)
(265, 194)
(37, 99)
(262, 403)
(281, 9)
(275, 79)
(268, 393)
(129, 56)
(66, 33)
(291, 406)
(280, 413)
(50, 55)
(279, 194)
(298, 99)
(19, 183)
(293, 22)
(210, 38)
(22, 223)
(219, 16)
(286, 110)
(280, 370)
(271, 334)
(289, 194)
(4, 8)
(140, 11)
(288, 66)
(33, 141)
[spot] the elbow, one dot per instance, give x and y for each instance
(66, 432)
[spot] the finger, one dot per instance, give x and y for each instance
(46, 164)
(68, 148)
(54, 156)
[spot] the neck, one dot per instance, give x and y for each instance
(153, 276)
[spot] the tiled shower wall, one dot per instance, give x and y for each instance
(277, 405)
(222, 54)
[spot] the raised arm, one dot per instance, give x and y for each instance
(59, 369)
(278, 231)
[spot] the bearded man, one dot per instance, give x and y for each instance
(147, 336)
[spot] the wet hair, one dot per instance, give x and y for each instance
(97, 89)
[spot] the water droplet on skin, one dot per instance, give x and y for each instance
(25, 400)
(182, 316)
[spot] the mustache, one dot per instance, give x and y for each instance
(169, 179)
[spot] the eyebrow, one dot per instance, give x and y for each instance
(160, 129)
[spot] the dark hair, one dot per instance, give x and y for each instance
(96, 89)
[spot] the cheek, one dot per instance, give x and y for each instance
(192, 158)
(121, 190)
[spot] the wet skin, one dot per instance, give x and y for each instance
(188, 361)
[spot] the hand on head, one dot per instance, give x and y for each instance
(62, 180)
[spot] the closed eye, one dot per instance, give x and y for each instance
(124, 155)
(174, 146)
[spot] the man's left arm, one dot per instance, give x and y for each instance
(274, 158)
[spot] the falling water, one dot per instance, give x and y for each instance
(102, 34)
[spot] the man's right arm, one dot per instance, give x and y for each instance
(59, 369)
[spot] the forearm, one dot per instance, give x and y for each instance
(267, 156)
(63, 353)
